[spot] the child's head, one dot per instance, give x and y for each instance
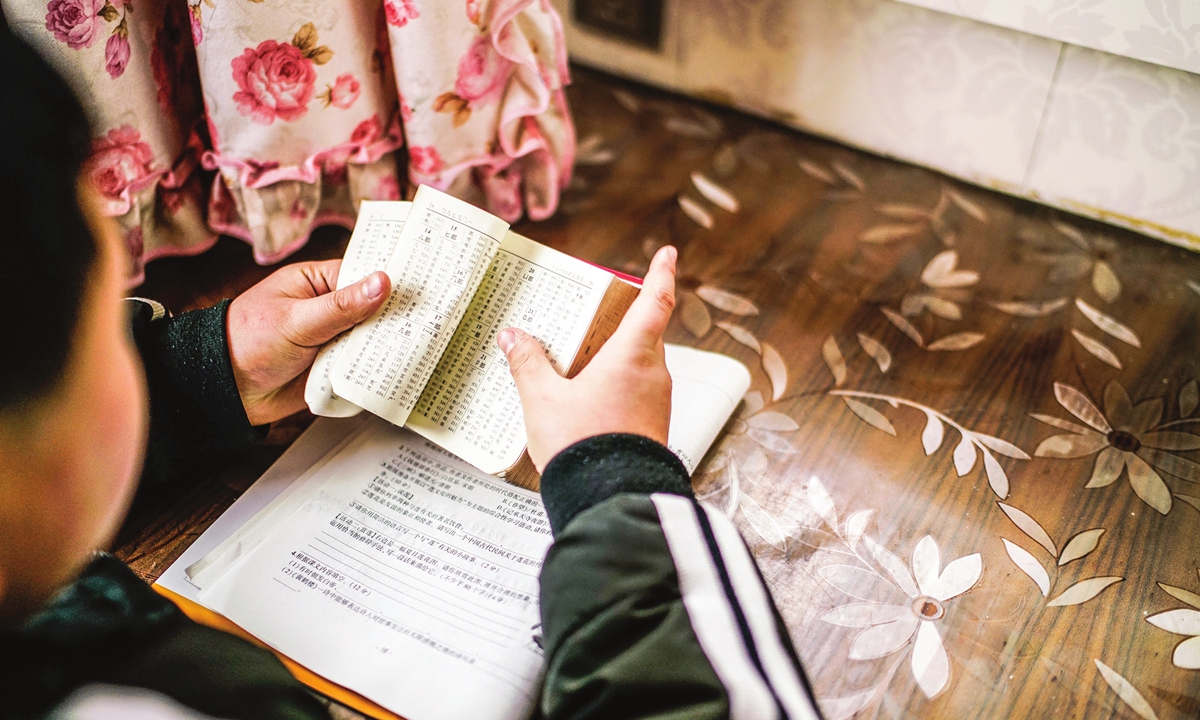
(72, 397)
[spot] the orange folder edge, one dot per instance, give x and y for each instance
(349, 698)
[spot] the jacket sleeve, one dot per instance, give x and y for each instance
(196, 411)
(652, 606)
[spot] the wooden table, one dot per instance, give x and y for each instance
(967, 464)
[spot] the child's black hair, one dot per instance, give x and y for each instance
(46, 249)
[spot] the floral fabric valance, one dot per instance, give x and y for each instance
(264, 118)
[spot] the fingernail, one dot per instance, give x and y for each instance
(506, 338)
(373, 287)
(672, 254)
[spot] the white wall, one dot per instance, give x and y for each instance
(1018, 110)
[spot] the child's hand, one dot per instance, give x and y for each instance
(276, 328)
(625, 388)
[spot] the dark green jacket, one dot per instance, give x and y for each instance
(652, 607)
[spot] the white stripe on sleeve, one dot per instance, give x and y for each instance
(709, 611)
(756, 607)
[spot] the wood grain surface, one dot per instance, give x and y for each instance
(940, 372)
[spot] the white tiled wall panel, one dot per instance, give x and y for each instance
(926, 87)
(1107, 136)
(1121, 139)
(1163, 32)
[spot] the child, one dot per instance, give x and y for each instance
(651, 605)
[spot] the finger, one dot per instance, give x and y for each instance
(306, 279)
(318, 320)
(527, 362)
(646, 320)
(324, 275)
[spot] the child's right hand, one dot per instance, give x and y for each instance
(624, 389)
(277, 327)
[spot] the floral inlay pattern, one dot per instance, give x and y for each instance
(1078, 547)
(1125, 438)
(966, 452)
(1183, 621)
(920, 591)
(896, 609)
(893, 607)
(993, 394)
(888, 628)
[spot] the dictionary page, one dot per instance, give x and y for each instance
(471, 406)
(375, 236)
(406, 576)
(443, 250)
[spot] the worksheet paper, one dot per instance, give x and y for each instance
(706, 389)
(402, 573)
(442, 250)
(390, 567)
(374, 239)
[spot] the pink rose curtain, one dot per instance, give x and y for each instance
(262, 119)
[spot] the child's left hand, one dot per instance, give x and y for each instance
(276, 328)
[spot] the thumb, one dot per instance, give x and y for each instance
(318, 320)
(527, 361)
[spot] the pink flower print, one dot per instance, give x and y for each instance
(458, 108)
(74, 22)
(116, 51)
(258, 168)
(406, 112)
(343, 92)
(335, 173)
(473, 11)
(275, 81)
(366, 131)
(399, 12)
(387, 189)
(482, 72)
(425, 160)
(118, 159)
